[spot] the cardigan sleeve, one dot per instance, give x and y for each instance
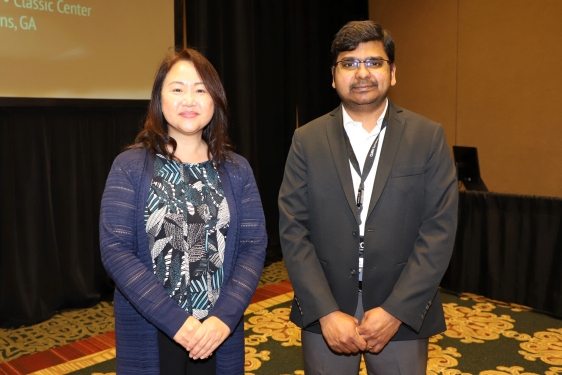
(251, 242)
(120, 253)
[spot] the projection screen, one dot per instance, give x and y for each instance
(87, 49)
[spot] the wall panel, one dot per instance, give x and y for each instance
(425, 36)
(509, 95)
(490, 73)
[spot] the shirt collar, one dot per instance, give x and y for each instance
(348, 121)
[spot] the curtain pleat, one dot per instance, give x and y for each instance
(54, 163)
(273, 57)
(509, 248)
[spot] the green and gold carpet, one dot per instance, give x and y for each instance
(484, 337)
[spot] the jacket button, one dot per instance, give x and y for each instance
(354, 233)
(353, 272)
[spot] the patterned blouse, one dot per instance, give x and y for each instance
(187, 221)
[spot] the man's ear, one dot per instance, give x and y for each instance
(333, 80)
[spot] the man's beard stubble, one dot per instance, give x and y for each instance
(367, 106)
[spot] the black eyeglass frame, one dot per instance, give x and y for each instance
(360, 61)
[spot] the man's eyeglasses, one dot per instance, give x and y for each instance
(371, 64)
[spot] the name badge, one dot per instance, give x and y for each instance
(361, 248)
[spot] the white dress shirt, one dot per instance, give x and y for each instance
(361, 142)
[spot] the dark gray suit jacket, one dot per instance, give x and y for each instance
(409, 231)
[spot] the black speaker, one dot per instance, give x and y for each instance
(468, 169)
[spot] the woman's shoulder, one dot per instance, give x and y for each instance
(237, 159)
(236, 163)
(132, 154)
(237, 167)
(132, 160)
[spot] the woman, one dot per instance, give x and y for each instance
(182, 231)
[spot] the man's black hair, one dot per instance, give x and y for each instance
(355, 32)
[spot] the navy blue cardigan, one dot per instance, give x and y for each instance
(141, 304)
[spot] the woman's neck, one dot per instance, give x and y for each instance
(191, 150)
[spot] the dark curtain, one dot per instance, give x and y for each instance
(54, 164)
(311, 27)
(509, 248)
(274, 59)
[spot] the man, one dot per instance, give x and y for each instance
(368, 214)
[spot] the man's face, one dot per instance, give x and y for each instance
(364, 88)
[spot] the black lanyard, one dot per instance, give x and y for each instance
(369, 161)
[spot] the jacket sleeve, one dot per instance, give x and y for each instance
(312, 291)
(118, 232)
(418, 283)
(251, 241)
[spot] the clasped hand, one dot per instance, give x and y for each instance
(201, 339)
(344, 334)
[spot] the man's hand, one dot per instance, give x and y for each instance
(340, 332)
(185, 334)
(377, 328)
(208, 337)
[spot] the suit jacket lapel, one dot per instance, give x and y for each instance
(336, 142)
(390, 145)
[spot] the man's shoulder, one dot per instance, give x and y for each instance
(319, 123)
(413, 118)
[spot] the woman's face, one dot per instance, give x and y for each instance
(186, 104)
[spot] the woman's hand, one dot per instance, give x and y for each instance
(185, 334)
(208, 337)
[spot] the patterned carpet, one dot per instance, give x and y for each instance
(484, 337)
